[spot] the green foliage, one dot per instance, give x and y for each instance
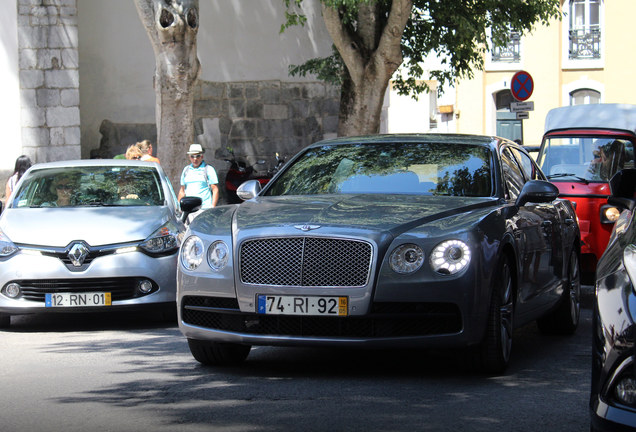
(293, 16)
(458, 31)
(329, 69)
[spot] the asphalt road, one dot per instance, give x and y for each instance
(125, 372)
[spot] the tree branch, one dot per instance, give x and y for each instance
(390, 46)
(344, 43)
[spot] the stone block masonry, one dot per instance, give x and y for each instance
(49, 79)
(258, 119)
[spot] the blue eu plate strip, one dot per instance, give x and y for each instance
(262, 304)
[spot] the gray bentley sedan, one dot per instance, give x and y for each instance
(384, 241)
(88, 236)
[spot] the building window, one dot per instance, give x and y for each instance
(585, 29)
(585, 96)
(509, 53)
(503, 99)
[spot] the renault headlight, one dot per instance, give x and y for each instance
(7, 248)
(450, 257)
(163, 241)
(218, 255)
(406, 258)
(192, 253)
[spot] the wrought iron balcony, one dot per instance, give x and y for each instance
(509, 53)
(585, 44)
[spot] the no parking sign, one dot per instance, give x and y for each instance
(521, 85)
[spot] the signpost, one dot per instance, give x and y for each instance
(521, 106)
(521, 86)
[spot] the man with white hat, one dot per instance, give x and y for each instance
(199, 179)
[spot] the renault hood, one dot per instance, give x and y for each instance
(57, 227)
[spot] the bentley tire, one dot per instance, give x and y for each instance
(565, 318)
(5, 320)
(218, 354)
(494, 352)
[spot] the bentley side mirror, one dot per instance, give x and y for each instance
(248, 189)
(537, 191)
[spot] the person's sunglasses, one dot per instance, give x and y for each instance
(196, 156)
(64, 186)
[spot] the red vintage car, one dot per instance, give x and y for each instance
(582, 148)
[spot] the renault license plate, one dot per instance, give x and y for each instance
(302, 305)
(78, 299)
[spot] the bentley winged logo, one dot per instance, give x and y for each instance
(306, 227)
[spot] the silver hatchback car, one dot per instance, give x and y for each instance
(89, 235)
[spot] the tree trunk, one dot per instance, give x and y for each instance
(172, 27)
(372, 54)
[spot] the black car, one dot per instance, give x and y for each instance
(613, 394)
(384, 241)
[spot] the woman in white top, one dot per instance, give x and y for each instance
(22, 164)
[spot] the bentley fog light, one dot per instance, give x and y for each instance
(609, 214)
(192, 253)
(450, 257)
(164, 240)
(218, 254)
(406, 258)
(7, 248)
(12, 290)
(626, 391)
(145, 286)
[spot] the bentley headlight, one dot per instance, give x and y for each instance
(406, 258)
(7, 248)
(218, 254)
(192, 253)
(450, 257)
(162, 241)
(609, 214)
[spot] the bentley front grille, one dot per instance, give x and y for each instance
(306, 261)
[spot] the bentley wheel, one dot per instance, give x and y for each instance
(565, 318)
(497, 345)
(218, 354)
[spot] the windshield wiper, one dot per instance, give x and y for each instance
(581, 179)
(95, 204)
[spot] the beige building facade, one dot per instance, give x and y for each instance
(587, 57)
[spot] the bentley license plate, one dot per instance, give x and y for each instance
(78, 299)
(302, 305)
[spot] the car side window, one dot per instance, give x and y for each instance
(528, 167)
(513, 176)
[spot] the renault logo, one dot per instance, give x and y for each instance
(77, 254)
(306, 227)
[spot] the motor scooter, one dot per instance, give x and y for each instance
(240, 171)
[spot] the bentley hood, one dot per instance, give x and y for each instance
(388, 213)
(57, 227)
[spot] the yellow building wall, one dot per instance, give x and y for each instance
(542, 55)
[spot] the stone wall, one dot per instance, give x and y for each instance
(255, 120)
(258, 119)
(49, 79)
